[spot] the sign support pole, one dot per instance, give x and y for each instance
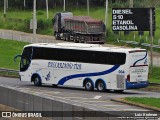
(131, 3)
(64, 5)
(151, 39)
(88, 7)
(24, 4)
(106, 14)
(47, 8)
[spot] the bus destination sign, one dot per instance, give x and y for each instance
(132, 19)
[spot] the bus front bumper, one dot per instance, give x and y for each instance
(136, 85)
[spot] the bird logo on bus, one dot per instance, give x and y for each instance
(48, 77)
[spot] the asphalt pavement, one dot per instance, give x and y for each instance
(91, 99)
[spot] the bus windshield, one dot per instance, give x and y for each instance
(26, 59)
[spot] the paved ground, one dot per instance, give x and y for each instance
(27, 37)
(91, 99)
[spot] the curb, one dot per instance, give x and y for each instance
(135, 104)
(9, 76)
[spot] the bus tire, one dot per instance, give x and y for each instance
(37, 80)
(88, 85)
(57, 36)
(65, 37)
(101, 86)
(68, 37)
(75, 39)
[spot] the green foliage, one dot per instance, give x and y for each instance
(120, 4)
(41, 4)
(40, 13)
(26, 25)
(155, 76)
(111, 37)
(153, 102)
(47, 32)
(44, 24)
(8, 49)
(146, 3)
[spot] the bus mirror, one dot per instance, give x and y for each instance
(53, 21)
(16, 57)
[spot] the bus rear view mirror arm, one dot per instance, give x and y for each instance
(16, 57)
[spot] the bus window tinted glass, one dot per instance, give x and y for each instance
(84, 56)
(26, 58)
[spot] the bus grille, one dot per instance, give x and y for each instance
(120, 81)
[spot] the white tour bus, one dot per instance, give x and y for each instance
(85, 65)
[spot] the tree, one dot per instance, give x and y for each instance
(131, 3)
(47, 8)
(24, 4)
(5, 7)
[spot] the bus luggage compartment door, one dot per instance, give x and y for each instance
(117, 82)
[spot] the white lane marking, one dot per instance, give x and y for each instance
(76, 98)
(99, 101)
(112, 105)
(133, 109)
(92, 101)
(94, 98)
(22, 102)
(52, 92)
(79, 118)
(97, 97)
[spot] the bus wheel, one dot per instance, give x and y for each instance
(75, 39)
(88, 85)
(67, 37)
(100, 86)
(37, 81)
(57, 36)
(64, 38)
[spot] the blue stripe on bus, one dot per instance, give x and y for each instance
(65, 79)
(140, 59)
(130, 85)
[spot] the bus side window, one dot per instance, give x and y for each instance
(24, 63)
